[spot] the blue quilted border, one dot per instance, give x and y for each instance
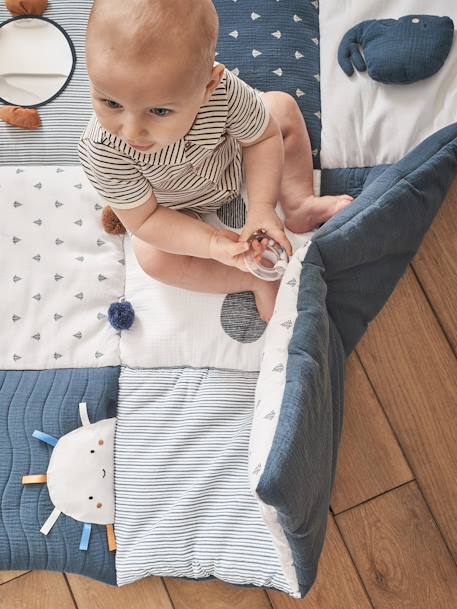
(48, 400)
(351, 268)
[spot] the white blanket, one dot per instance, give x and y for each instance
(176, 327)
(62, 272)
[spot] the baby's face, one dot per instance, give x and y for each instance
(149, 105)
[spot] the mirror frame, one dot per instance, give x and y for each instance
(73, 54)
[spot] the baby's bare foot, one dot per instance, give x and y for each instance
(265, 298)
(315, 211)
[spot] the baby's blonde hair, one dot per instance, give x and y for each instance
(144, 27)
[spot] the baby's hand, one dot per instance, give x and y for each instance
(265, 217)
(225, 247)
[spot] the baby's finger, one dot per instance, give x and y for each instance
(258, 246)
(238, 248)
(283, 241)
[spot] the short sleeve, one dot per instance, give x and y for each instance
(113, 175)
(247, 115)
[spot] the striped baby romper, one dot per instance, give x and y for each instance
(201, 171)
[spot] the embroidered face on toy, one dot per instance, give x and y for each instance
(80, 476)
(80, 473)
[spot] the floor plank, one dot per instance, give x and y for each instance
(147, 593)
(399, 552)
(6, 576)
(370, 459)
(214, 595)
(414, 373)
(36, 590)
(338, 585)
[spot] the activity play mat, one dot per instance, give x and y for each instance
(222, 433)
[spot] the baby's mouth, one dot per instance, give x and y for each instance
(138, 147)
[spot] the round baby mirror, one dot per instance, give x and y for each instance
(37, 60)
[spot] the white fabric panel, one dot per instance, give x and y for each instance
(60, 273)
(168, 326)
(367, 123)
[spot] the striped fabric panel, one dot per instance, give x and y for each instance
(233, 215)
(183, 504)
(65, 117)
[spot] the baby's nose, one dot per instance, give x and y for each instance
(133, 130)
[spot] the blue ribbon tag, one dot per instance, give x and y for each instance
(44, 437)
(84, 544)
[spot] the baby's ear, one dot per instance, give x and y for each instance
(218, 73)
(213, 83)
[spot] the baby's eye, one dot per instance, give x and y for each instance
(159, 111)
(111, 104)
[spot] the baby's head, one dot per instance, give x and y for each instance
(151, 66)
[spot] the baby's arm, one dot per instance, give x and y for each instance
(121, 185)
(263, 164)
(170, 231)
(167, 229)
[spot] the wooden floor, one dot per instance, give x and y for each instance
(392, 530)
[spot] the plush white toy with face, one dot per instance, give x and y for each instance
(80, 476)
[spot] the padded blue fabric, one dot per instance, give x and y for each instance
(351, 180)
(298, 25)
(349, 272)
(397, 51)
(48, 400)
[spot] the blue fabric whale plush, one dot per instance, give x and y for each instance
(397, 51)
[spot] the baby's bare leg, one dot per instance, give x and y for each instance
(204, 275)
(303, 211)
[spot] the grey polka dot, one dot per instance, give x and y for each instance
(240, 318)
(233, 214)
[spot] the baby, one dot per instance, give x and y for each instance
(175, 131)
